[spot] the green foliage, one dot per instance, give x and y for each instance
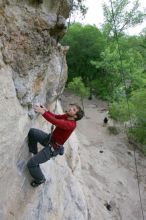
(101, 88)
(116, 74)
(112, 68)
(133, 112)
(108, 72)
(120, 111)
(120, 15)
(78, 7)
(138, 134)
(86, 43)
(78, 87)
(138, 99)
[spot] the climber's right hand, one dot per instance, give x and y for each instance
(39, 109)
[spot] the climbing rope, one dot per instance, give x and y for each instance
(127, 100)
(69, 23)
(62, 63)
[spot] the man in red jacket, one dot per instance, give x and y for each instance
(53, 143)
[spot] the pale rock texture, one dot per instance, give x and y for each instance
(33, 70)
(79, 184)
(108, 165)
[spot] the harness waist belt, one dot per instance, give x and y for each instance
(55, 145)
(55, 152)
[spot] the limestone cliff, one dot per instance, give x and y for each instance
(33, 69)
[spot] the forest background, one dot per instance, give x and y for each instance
(110, 64)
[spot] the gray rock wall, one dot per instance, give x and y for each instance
(33, 69)
(29, 46)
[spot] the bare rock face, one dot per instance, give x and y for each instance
(29, 38)
(33, 69)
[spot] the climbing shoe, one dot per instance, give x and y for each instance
(34, 183)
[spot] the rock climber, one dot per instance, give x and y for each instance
(53, 143)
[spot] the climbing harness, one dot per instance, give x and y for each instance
(127, 100)
(52, 127)
(60, 151)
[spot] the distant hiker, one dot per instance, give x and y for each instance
(105, 120)
(53, 143)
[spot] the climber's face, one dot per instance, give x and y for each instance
(72, 110)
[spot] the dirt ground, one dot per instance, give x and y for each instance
(108, 166)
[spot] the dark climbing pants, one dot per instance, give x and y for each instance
(35, 136)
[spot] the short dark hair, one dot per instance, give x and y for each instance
(80, 113)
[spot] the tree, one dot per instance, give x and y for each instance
(86, 43)
(120, 15)
(78, 7)
(79, 88)
(112, 64)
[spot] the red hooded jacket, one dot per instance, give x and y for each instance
(64, 127)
